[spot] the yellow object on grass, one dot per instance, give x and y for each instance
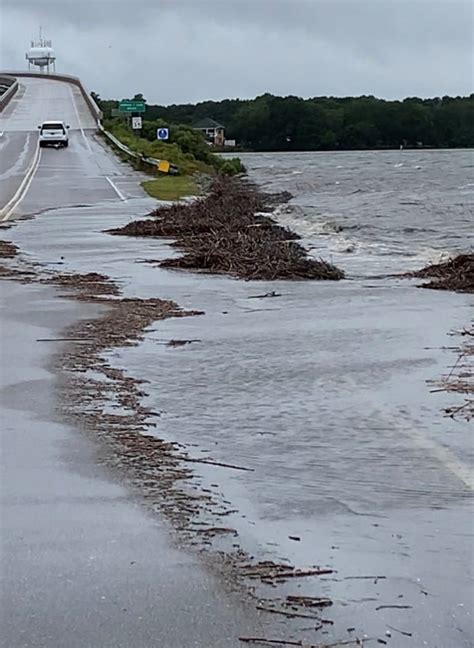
(164, 166)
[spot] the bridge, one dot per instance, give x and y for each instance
(34, 180)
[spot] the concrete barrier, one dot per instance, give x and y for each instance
(12, 87)
(93, 107)
(151, 162)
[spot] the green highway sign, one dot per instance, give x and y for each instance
(132, 106)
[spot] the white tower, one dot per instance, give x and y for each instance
(41, 54)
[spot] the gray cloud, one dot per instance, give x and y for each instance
(189, 50)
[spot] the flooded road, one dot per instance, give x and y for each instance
(75, 554)
(321, 393)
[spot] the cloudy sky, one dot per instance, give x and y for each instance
(176, 51)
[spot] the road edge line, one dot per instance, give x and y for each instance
(22, 190)
(116, 189)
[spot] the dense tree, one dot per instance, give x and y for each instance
(271, 123)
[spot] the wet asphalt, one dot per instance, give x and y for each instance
(82, 564)
(321, 391)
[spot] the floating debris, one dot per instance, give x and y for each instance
(456, 274)
(309, 601)
(227, 232)
(7, 250)
(268, 570)
(460, 378)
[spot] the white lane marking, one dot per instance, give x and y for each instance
(22, 190)
(441, 453)
(116, 189)
(444, 455)
(79, 121)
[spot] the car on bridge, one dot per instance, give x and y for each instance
(53, 133)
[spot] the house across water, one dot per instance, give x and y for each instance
(212, 131)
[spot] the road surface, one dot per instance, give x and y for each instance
(82, 565)
(85, 173)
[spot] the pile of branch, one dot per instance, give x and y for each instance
(456, 274)
(230, 232)
(460, 379)
(268, 571)
(7, 250)
(91, 282)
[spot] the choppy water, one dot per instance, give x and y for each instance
(375, 211)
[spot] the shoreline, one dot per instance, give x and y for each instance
(185, 329)
(230, 231)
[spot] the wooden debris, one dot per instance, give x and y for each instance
(177, 343)
(218, 235)
(301, 644)
(460, 378)
(273, 293)
(298, 573)
(273, 642)
(216, 463)
(217, 531)
(456, 274)
(309, 601)
(395, 607)
(7, 250)
(92, 282)
(287, 613)
(269, 570)
(402, 632)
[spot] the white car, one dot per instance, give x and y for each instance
(53, 133)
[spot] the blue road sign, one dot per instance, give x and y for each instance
(163, 133)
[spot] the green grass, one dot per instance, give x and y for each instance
(171, 187)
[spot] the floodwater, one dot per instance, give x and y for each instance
(375, 210)
(322, 392)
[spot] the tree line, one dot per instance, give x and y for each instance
(272, 123)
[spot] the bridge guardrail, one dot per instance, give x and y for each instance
(153, 162)
(133, 154)
(12, 88)
(93, 107)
